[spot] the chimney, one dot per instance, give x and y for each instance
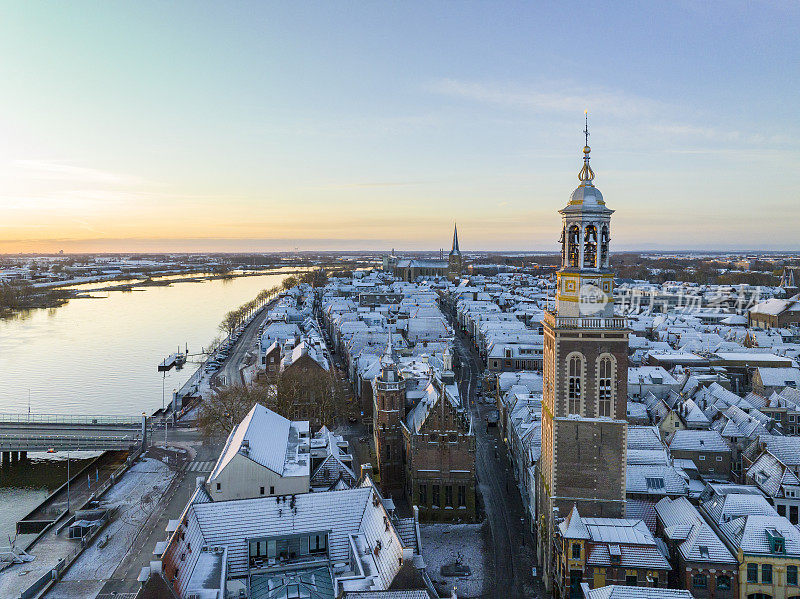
(366, 469)
(199, 481)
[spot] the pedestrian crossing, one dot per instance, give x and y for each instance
(200, 466)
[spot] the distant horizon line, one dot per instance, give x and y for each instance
(386, 251)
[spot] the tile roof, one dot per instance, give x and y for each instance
(698, 440)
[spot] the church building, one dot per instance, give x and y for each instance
(585, 364)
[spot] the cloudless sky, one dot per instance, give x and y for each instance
(332, 125)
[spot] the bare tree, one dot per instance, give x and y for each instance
(223, 410)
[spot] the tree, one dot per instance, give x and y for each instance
(289, 282)
(226, 408)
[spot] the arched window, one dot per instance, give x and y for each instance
(604, 246)
(573, 252)
(590, 247)
(605, 379)
(563, 242)
(575, 385)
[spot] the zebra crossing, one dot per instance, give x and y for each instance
(200, 466)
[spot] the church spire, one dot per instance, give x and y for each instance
(455, 249)
(587, 174)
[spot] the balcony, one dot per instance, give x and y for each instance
(584, 322)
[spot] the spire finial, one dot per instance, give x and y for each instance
(586, 128)
(587, 174)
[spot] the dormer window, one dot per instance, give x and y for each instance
(777, 542)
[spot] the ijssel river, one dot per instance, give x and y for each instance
(100, 356)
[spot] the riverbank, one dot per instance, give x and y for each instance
(57, 293)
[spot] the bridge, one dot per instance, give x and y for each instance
(20, 433)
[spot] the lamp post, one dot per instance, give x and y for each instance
(68, 481)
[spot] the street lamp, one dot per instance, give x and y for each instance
(68, 481)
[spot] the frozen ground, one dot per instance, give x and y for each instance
(135, 497)
(443, 544)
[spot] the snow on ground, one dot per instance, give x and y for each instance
(442, 544)
(135, 496)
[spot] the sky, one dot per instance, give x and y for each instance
(259, 126)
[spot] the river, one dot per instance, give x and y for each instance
(100, 356)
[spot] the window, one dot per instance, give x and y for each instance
(590, 247)
(766, 573)
(604, 246)
(752, 572)
(388, 452)
(576, 551)
(573, 252)
(631, 580)
(700, 581)
(723, 583)
(606, 373)
(435, 495)
(318, 543)
(793, 514)
(574, 391)
(791, 575)
(448, 495)
(702, 458)
(219, 486)
(781, 509)
(423, 494)
(261, 490)
(462, 496)
(272, 490)
(654, 483)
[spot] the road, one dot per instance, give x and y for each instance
(513, 557)
(246, 342)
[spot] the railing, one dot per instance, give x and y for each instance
(73, 442)
(584, 322)
(69, 419)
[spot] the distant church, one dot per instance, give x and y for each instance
(409, 269)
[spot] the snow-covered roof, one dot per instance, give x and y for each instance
(269, 439)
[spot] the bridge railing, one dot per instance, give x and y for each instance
(76, 442)
(9, 418)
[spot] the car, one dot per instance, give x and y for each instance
(493, 418)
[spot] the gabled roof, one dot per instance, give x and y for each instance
(266, 438)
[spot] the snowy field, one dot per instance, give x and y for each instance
(443, 544)
(135, 496)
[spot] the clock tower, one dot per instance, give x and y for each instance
(584, 426)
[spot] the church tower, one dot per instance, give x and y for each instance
(455, 262)
(585, 375)
(388, 412)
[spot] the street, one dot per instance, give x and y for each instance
(512, 550)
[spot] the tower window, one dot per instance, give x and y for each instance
(574, 385)
(574, 246)
(604, 382)
(590, 247)
(604, 246)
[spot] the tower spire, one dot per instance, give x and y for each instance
(455, 239)
(586, 175)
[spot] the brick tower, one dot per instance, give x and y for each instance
(388, 412)
(585, 375)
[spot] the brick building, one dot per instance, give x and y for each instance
(584, 424)
(440, 455)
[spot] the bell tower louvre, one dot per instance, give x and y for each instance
(584, 425)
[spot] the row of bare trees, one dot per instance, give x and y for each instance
(237, 316)
(317, 396)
